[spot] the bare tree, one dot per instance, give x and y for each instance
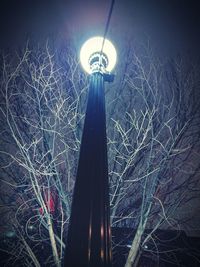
(43, 115)
(153, 146)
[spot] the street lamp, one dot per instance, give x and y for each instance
(92, 48)
(89, 236)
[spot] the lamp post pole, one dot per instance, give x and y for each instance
(89, 235)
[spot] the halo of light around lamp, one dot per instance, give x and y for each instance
(94, 45)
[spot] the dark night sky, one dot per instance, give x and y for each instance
(171, 24)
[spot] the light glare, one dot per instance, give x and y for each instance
(94, 45)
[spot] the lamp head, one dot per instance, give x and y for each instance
(95, 59)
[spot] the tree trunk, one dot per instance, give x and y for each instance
(53, 243)
(30, 252)
(135, 246)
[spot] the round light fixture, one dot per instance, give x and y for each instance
(91, 54)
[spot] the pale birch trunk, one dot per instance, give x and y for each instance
(132, 259)
(135, 246)
(53, 243)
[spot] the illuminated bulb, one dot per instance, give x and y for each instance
(90, 55)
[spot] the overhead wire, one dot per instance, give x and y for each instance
(107, 25)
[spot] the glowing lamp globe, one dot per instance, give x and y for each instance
(94, 58)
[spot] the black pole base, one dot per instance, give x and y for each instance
(89, 234)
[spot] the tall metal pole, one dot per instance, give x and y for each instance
(89, 235)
